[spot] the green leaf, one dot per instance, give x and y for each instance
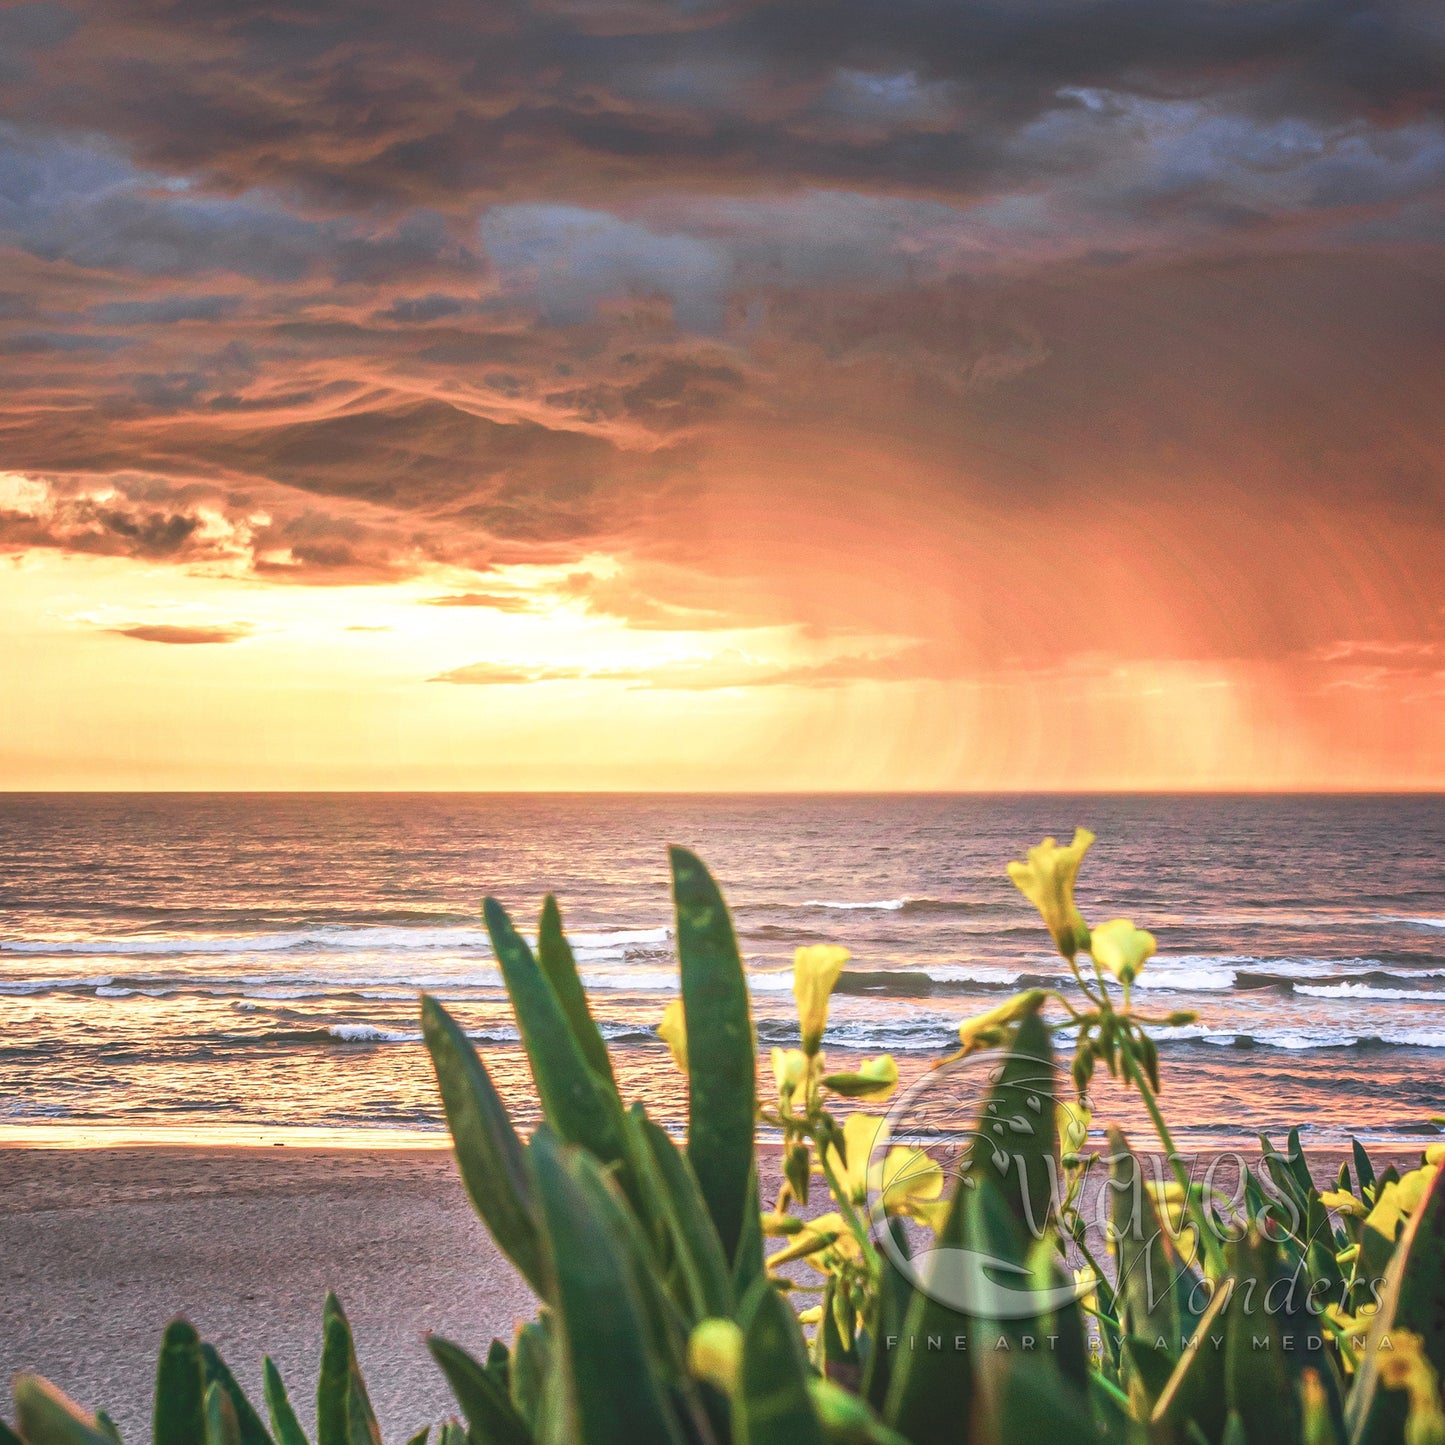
(531, 1365)
(616, 1396)
(773, 1404)
(221, 1424)
(1015, 1145)
(488, 1152)
(180, 1405)
(284, 1424)
(931, 1389)
(1364, 1170)
(343, 1410)
(578, 1104)
(1153, 1285)
(847, 1420)
(1031, 1401)
(1412, 1298)
(1195, 1389)
(481, 1394)
(721, 1051)
(890, 1310)
(706, 1286)
(250, 1428)
(104, 1424)
(47, 1417)
(1257, 1385)
(554, 954)
(9, 1437)
(420, 1437)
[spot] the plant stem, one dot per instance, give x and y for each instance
(1196, 1211)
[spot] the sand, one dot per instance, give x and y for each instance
(99, 1248)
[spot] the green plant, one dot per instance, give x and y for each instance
(662, 1319)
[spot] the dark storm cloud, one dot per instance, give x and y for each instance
(337, 292)
(433, 103)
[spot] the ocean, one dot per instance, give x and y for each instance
(247, 966)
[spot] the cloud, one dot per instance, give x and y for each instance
(901, 324)
(726, 669)
(495, 601)
(176, 635)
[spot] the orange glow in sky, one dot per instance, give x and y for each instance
(418, 397)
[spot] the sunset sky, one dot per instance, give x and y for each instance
(770, 394)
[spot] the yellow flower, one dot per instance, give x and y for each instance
(908, 1182)
(1405, 1366)
(874, 1079)
(1342, 1202)
(815, 971)
(790, 1070)
(1121, 948)
(823, 1242)
(981, 1029)
(673, 1032)
(1415, 1185)
(1047, 881)
(860, 1132)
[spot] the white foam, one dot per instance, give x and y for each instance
(371, 1034)
(889, 905)
(1367, 991)
(379, 940)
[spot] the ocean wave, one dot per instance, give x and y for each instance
(328, 939)
(886, 905)
(1297, 1040)
(1369, 991)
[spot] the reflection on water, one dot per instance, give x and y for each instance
(253, 960)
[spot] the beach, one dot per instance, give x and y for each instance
(101, 1247)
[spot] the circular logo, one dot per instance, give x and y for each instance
(984, 1122)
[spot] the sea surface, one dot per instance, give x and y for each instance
(185, 964)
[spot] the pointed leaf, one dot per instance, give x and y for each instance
(180, 1406)
(284, 1424)
(343, 1410)
(488, 1151)
(615, 1394)
(932, 1389)
(531, 1365)
(721, 1051)
(554, 954)
(47, 1417)
(483, 1397)
(773, 1404)
(578, 1104)
(696, 1247)
(221, 1425)
(248, 1423)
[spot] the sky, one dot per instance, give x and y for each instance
(709, 395)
